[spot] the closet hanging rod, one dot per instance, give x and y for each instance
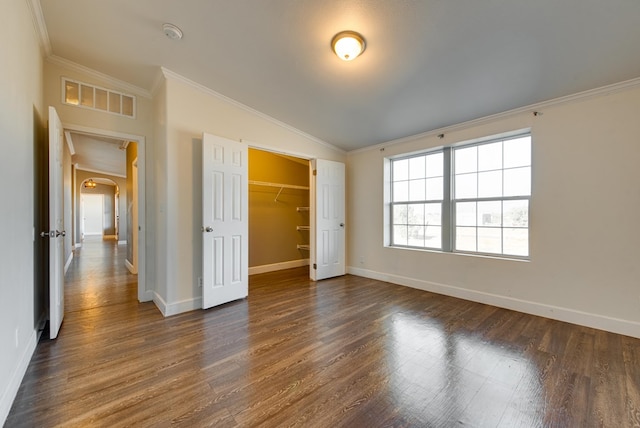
(279, 185)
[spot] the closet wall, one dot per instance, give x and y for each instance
(277, 227)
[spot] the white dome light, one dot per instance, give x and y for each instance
(348, 45)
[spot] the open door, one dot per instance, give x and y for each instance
(328, 213)
(225, 230)
(56, 231)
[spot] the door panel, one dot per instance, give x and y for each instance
(225, 228)
(56, 226)
(329, 253)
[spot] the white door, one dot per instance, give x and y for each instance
(92, 214)
(225, 230)
(328, 247)
(56, 226)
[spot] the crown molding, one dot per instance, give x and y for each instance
(116, 83)
(41, 28)
(97, 171)
(173, 75)
(591, 93)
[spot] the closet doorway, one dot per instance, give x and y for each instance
(279, 223)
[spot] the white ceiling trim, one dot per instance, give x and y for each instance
(604, 90)
(103, 133)
(171, 74)
(72, 149)
(97, 171)
(40, 26)
(116, 83)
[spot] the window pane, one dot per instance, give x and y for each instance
(466, 186)
(86, 96)
(517, 152)
(415, 214)
(489, 184)
(114, 102)
(416, 190)
(400, 235)
(127, 105)
(517, 182)
(401, 191)
(466, 238)
(490, 156)
(489, 240)
(433, 237)
(401, 170)
(466, 160)
(101, 99)
(434, 188)
(416, 236)
(435, 165)
(516, 242)
(433, 214)
(515, 213)
(417, 167)
(466, 214)
(399, 214)
(71, 93)
(490, 213)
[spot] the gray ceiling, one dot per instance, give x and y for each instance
(428, 64)
(98, 154)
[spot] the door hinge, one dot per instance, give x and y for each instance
(315, 172)
(315, 266)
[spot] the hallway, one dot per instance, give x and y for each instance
(98, 277)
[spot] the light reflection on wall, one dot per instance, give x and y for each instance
(444, 376)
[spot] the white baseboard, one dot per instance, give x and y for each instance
(129, 266)
(78, 245)
(68, 263)
(122, 242)
(278, 266)
(169, 309)
(600, 322)
(11, 389)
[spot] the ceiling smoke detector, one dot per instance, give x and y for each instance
(171, 31)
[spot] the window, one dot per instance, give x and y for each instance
(471, 198)
(95, 98)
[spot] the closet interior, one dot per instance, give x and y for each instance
(278, 211)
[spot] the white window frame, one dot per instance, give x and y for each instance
(448, 223)
(109, 94)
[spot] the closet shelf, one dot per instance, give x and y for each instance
(303, 227)
(300, 209)
(280, 186)
(303, 247)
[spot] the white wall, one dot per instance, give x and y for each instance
(190, 111)
(584, 224)
(20, 106)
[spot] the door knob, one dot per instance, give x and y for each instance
(207, 229)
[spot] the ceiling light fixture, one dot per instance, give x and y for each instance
(348, 45)
(90, 184)
(171, 31)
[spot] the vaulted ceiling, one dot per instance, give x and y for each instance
(428, 63)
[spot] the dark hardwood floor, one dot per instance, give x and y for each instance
(345, 352)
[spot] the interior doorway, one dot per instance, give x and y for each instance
(279, 211)
(139, 223)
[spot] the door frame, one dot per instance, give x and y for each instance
(144, 293)
(312, 194)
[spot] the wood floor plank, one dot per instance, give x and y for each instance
(344, 352)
